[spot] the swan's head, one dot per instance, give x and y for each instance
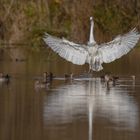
(91, 21)
(91, 18)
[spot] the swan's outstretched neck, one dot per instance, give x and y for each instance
(91, 37)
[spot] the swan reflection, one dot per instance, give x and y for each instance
(90, 98)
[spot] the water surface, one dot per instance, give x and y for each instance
(68, 110)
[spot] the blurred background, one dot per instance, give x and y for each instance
(25, 21)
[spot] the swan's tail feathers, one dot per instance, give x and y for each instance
(96, 67)
(96, 64)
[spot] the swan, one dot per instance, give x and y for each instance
(92, 53)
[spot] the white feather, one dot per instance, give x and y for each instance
(120, 46)
(70, 51)
(92, 53)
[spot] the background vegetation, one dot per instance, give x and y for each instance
(25, 21)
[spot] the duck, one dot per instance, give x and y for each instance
(109, 79)
(133, 77)
(4, 78)
(48, 77)
(39, 84)
(45, 77)
(45, 81)
(68, 76)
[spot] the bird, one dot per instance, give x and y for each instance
(39, 85)
(109, 79)
(69, 76)
(4, 78)
(92, 53)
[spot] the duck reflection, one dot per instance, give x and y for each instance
(72, 101)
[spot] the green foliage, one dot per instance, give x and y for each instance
(30, 10)
(60, 18)
(112, 19)
(54, 8)
(35, 36)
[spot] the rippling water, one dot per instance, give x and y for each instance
(92, 111)
(82, 109)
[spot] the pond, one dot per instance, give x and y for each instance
(81, 109)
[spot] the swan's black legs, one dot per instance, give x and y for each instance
(89, 68)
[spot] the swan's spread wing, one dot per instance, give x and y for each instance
(120, 46)
(70, 51)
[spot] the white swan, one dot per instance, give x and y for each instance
(92, 53)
